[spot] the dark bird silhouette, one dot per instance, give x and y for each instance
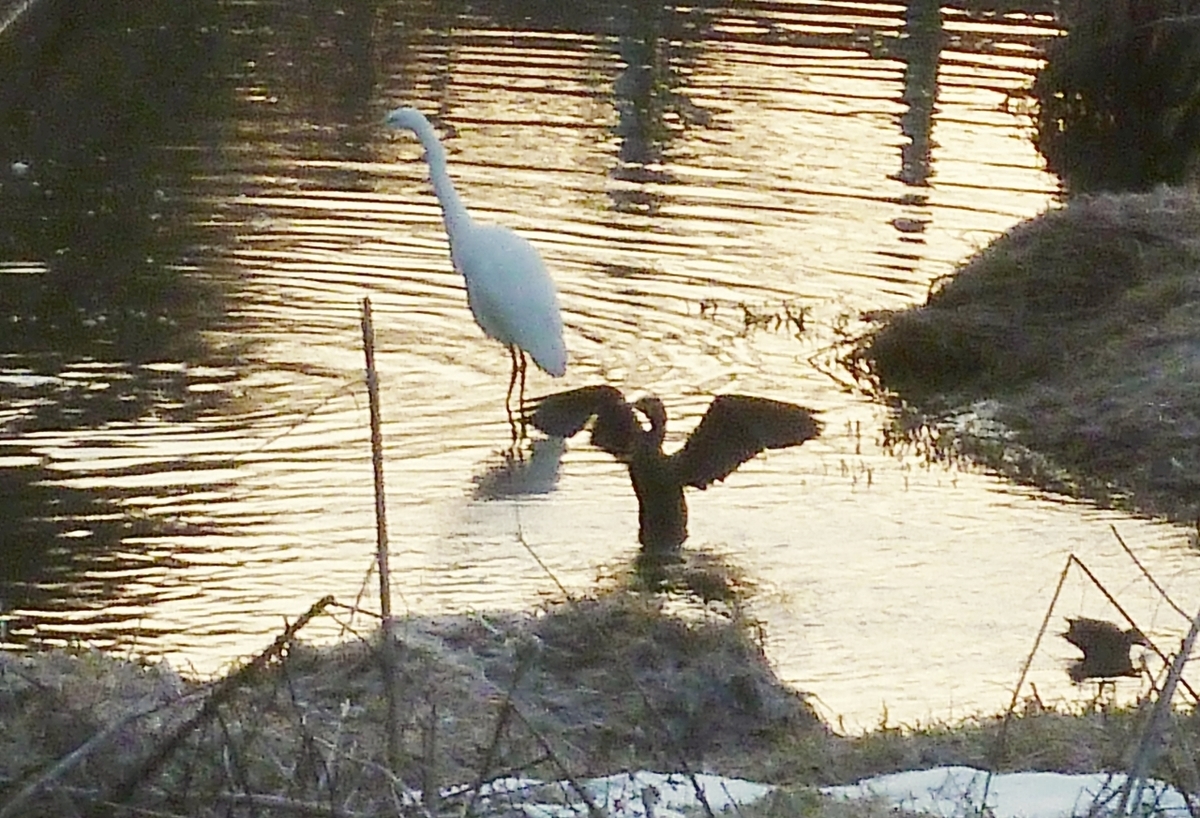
(1105, 649)
(734, 429)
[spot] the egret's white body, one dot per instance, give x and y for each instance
(509, 291)
(511, 294)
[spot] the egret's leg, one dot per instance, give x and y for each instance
(524, 364)
(512, 382)
(521, 400)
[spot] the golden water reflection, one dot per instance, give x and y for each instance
(733, 162)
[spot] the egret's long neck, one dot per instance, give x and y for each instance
(453, 212)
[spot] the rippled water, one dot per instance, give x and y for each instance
(194, 221)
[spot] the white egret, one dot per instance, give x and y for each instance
(509, 291)
(734, 429)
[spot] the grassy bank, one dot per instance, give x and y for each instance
(1079, 333)
(578, 689)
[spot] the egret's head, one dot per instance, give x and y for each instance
(408, 118)
(413, 120)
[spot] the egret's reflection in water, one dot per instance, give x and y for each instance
(516, 473)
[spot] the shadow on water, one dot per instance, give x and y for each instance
(659, 45)
(101, 318)
(517, 473)
(919, 48)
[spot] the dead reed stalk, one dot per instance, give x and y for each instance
(1151, 743)
(387, 658)
(221, 692)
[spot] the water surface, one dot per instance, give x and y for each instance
(196, 213)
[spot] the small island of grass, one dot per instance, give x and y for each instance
(1079, 331)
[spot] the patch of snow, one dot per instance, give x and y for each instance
(980, 421)
(645, 795)
(958, 791)
(950, 792)
(627, 795)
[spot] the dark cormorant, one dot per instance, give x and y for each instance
(1105, 649)
(734, 429)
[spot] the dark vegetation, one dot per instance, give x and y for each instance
(1118, 101)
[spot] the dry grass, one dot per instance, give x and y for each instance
(1083, 326)
(674, 680)
(579, 689)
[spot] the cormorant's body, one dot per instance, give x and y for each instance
(734, 429)
(1105, 649)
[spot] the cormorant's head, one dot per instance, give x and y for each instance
(656, 413)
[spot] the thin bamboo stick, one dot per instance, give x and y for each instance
(387, 643)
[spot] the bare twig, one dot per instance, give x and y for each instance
(536, 558)
(231, 755)
(300, 421)
(356, 605)
(680, 759)
(322, 771)
(461, 791)
(1001, 740)
(222, 691)
(431, 790)
(405, 797)
(1162, 592)
(279, 803)
(387, 657)
(502, 722)
(1131, 793)
(565, 774)
(381, 532)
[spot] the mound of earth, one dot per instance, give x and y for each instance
(1079, 331)
(582, 688)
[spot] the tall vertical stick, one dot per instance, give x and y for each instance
(386, 656)
(381, 534)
